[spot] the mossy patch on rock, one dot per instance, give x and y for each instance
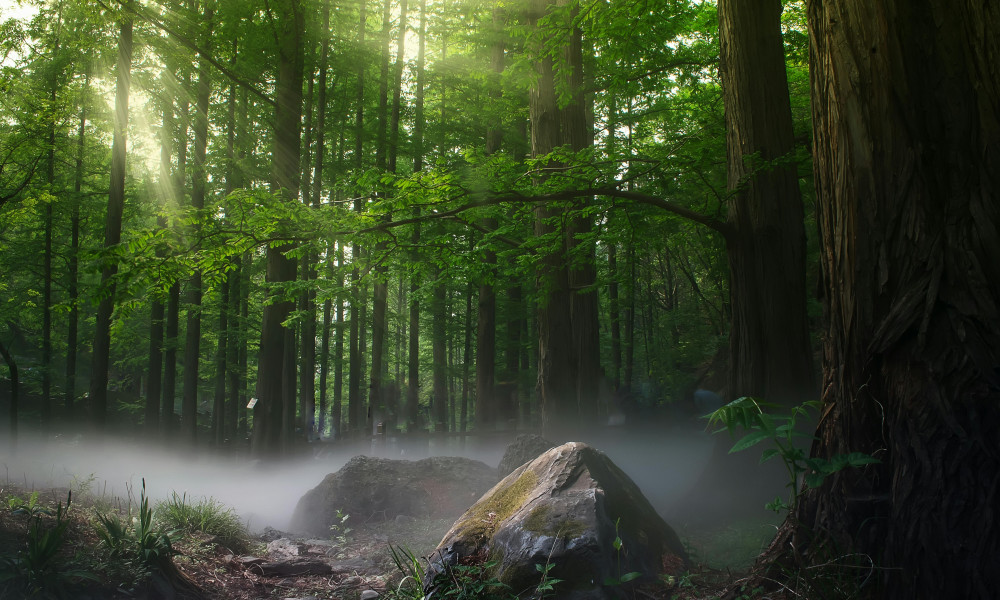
(481, 521)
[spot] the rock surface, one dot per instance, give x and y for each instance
(566, 508)
(370, 489)
(525, 448)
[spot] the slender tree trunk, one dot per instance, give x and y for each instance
(154, 384)
(222, 351)
(615, 317)
(439, 350)
(413, 346)
(171, 342)
(72, 335)
(357, 309)
(338, 352)
(466, 360)
(199, 183)
(112, 230)
(15, 390)
(317, 190)
(307, 298)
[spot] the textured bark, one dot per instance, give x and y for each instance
(272, 426)
(907, 157)
(413, 345)
(112, 232)
(769, 336)
(556, 359)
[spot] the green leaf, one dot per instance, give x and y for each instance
(751, 439)
(769, 454)
(630, 576)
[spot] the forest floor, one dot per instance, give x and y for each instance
(81, 566)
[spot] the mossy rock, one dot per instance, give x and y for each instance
(566, 508)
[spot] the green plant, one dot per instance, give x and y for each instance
(618, 545)
(339, 531)
(548, 583)
(139, 540)
(38, 571)
(407, 563)
(206, 515)
(748, 414)
(30, 506)
(472, 582)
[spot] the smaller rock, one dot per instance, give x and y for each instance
(284, 548)
(353, 580)
(369, 595)
(405, 519)
(525, 448)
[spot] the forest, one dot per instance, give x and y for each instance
(249, 226)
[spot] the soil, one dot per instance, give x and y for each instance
(360, 559)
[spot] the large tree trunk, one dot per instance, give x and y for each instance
(907, 157)
(112, 232)
(769, 337)
(556, 358)
(276, 356)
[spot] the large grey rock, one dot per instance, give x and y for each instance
(565, 508)
(370, 489)
(525, 448)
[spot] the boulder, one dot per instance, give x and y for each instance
(370, 489)
(525, 448)
(571, 508)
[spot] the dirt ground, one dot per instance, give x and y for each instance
(360, 560)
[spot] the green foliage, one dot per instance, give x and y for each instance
(339, 531)
(409, 566)
(206, 515)
(472, 582)
(138, 540)
(40, 570)
(548, 583)
(748, 414)
(620, 578)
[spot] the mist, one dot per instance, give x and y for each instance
(666, 463)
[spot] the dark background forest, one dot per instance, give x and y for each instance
(249, 225)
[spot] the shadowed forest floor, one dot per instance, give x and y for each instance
(84, 568)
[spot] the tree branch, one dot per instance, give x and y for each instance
(202, 53)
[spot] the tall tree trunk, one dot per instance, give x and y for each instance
(413, 345)
(72, 335)
(112, 229)
(15, 390)
(307, 298)
(338, 353)
(556, 362)
(357, 309)
(908, 217)
(317, 190)
(199, 183)
(770, 351)
(615, 317)
(439, 350)
(222, 351)
(171, 342)
(154, 385)
(466, 359)
(272, 433)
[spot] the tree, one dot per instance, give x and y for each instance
(769, 345)
(112, 229)
(909, 222)
(276, 359)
